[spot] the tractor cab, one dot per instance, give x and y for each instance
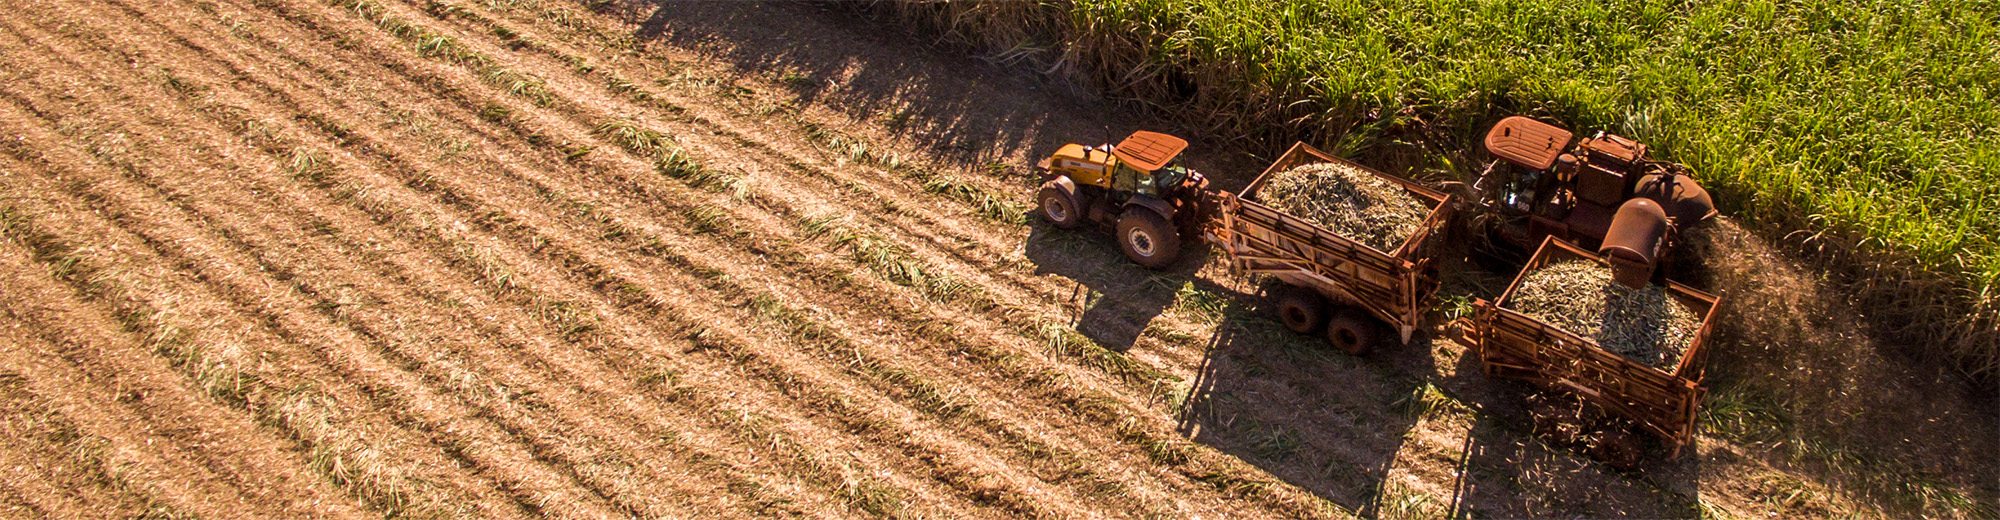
(1139, 165)
(1137, 185)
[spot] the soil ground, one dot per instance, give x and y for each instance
(539, 258)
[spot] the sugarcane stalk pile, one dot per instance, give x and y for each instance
(1348, 201)
(1645, 325)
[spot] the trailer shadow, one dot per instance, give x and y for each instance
(1113, 301)
(1291, 405)
(1377, 434)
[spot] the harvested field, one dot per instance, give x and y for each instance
(630, 259)
(1645, 325)
(1348, 201)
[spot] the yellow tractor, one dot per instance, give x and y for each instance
(1137, 186)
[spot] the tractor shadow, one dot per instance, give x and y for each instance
(1114, 301)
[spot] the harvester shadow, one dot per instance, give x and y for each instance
(1377, 434)
(1505, 468)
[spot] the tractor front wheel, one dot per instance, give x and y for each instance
(1059, 206)
(1148, 239)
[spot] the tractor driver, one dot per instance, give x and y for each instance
(1126, 181)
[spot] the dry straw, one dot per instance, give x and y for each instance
(1348, 201)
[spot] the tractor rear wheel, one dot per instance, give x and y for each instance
(1352, 330)
(1059, 206)
(1301, 310)
(1148, 239)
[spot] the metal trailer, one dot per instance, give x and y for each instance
(1361, 284)
(1512, 345)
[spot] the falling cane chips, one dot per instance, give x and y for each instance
(1645, 325)
(1348, 201)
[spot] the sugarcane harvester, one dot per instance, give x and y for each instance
(1601, 192)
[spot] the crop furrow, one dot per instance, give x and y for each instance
(301, 408)
(261, 267)
(791, 166)
(277, 269)
(58, 465)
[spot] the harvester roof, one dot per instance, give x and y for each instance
(1149, 150)
(1527, 142)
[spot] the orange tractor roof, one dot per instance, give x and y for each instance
(1149, 150)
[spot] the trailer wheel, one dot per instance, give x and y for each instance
(1618, 448)
(1301, 310)
(1352, 330)
(1148, 239)
(1059, 206)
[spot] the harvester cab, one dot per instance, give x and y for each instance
(1137, 186)
(1600, 191)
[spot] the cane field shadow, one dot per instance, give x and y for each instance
(966, 111)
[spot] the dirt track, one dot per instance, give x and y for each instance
(294, 258)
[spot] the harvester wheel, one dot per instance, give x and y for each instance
(1301, 310)
(1148, 239)
(1059, 206)
(1352, 330)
